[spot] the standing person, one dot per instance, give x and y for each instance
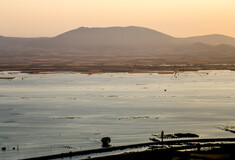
(162, 135)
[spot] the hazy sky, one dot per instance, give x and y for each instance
(180, 18)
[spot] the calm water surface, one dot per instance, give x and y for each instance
(43, 114)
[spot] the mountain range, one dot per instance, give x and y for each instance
(115, 46)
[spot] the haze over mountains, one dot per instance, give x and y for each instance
(116, 46)
(126, 36)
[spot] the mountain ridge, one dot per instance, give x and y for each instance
(128, 46)
(212, 39)
(129, 27)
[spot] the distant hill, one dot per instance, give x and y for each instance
(115, 46)
(85, 37)
(214, 39)
(130, 36)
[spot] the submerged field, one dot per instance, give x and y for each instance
(43, 114)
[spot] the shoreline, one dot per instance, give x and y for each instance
(220, 151)
(192, 143)
(96, 69)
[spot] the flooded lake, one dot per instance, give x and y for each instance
(43, 114)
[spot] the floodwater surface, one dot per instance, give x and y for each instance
(43, 114)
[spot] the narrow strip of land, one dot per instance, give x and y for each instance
(103, 150)
(92, 69)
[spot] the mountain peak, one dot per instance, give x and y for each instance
(118, 36)
(114, 28)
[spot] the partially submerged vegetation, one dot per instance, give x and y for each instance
(175, 135)
(228, 128)
(9, 78)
